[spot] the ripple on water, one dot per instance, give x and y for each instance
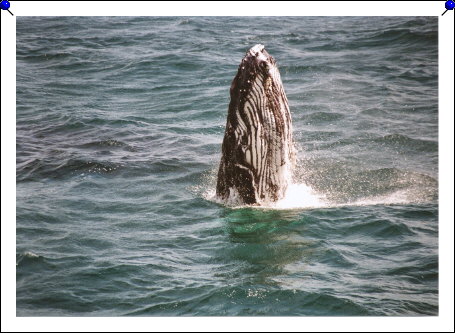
(119, 125)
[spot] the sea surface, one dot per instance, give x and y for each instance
(118, 139)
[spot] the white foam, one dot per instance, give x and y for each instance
(30, 254)
(398, 197)
(297, 196)
(302, 196)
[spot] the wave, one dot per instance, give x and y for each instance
(108, 143)
(401, 37)
(322, 117)
(404, 142)
(48, 168)
(28, 258)
(396, 142)
(247, 301)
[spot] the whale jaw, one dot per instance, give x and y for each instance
(258, 150)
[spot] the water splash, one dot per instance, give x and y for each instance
(301, 195)
(297, 196)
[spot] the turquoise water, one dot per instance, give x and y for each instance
(118, 138)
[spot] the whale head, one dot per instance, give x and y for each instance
(258, 149)
(256, 67)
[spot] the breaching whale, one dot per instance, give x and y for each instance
(258, 151)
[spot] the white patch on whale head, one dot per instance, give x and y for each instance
(258, 48)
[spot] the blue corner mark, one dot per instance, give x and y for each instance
(450, 5)
(5, 5)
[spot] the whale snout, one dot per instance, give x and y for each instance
(257, 59)
(256, 49)
(259, 54)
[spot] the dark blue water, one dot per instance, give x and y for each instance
(119, 129)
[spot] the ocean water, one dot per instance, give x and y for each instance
(118, 139)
